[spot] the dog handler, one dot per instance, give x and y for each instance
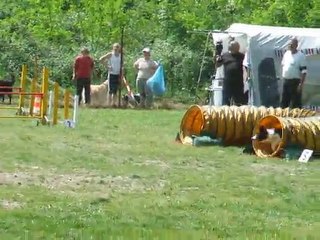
(113, 62)
(82, 74)
(233, 75)
(146, 67)
(294, 71)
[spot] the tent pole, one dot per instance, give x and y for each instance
(212, 31)
(202, 62)
(121, 66)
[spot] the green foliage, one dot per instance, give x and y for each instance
(54, 31)
(313, 18)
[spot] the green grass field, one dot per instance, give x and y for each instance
(120, 175)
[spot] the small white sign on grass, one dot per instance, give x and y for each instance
(305, 155)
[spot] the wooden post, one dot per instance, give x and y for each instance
(23, 82)
(36, 74)
(55, 103)
(33, 90)
(66, 104)
(44, 91)
(121, 67)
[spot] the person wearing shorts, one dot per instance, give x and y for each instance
(113, 61)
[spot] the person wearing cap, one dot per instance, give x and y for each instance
(112, 60)
(145, 67)
(82, 74)
(294, 71)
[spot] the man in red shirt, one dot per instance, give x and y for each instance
(82, 74)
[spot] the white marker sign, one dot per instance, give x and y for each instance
(305, 155)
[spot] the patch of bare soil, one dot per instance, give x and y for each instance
(80, 182)
(266, 169)
(163, 104)
(156, 163)
(9, 205)
(170, 105)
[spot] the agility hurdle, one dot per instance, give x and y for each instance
(24, 111)
(53, 112)
(42, 105)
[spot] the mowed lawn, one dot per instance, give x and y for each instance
(120, 175)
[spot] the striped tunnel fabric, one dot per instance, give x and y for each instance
(308, 51)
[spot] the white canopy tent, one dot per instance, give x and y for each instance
(265, 46)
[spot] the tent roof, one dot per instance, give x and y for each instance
(252, 30)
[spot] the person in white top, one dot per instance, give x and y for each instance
(294, 71)
(112, 60)
(146, 67)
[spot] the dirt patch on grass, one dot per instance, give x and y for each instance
(80, 182)
(170, 105)
(9, 205)
(266, 169)
(163, 104)
(157, 163)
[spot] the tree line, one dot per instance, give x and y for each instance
(54, 30)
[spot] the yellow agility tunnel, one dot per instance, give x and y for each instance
(234, 125)
(304, 132)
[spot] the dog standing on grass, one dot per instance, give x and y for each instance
(99, 94)
(8, 83)
(128, 100)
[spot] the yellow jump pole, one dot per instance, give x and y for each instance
(55, 103)
(23, 82)
(17, 108)
(66, 104)
(44, 91)
(21, 117)
(33, 90)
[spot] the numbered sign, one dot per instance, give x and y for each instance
(305, 155)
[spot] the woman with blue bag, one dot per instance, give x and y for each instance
(146, 68)
(156, 82)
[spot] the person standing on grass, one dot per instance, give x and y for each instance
(113, 62)
(294, 71)
(233, 75)
(145, 67)
(82, 74)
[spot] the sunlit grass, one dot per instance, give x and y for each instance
(120, 175)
